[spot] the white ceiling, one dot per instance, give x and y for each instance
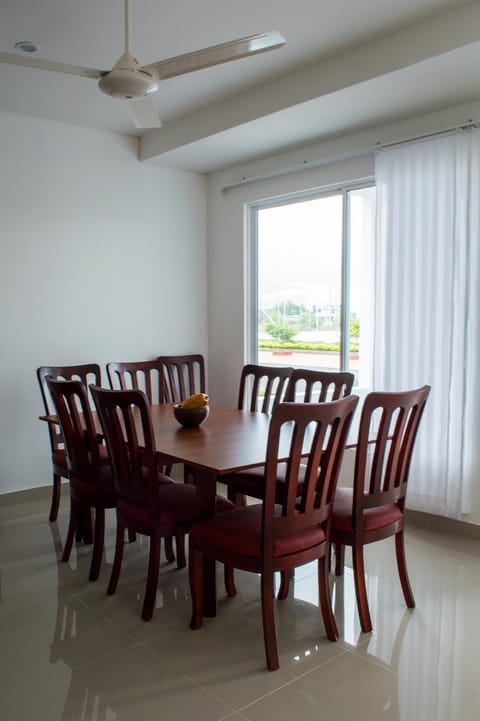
(345, 66)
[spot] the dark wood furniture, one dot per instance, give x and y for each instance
(262, 387)
(304, 386)
(148, 503)
(266, 537)
(138, 375)
(87, 373)
(91, 481)
(316, 386)
(184, 375)
(374, 508)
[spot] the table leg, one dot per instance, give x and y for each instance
(84, 532)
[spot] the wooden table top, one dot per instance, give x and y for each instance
(227, 441)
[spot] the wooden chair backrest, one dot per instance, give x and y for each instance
(382, 466)
(262, 387)
(146, 376)
(86, 373)
(312, 386)
(184, 375)
(318, 434)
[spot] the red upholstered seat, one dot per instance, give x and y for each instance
(374, 509)
(241, 533)
(271, 537)
(372, 517)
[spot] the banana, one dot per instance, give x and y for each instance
(198, 400)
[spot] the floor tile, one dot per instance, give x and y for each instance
(69, 652)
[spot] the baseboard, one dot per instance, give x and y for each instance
(29, 494)
(440, 523)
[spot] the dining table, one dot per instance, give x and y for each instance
(229, 440)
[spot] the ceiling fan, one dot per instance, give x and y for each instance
(131, 82)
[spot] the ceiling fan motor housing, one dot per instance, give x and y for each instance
(126, 84)
(127, 81)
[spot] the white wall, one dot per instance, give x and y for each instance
(227, 260)
(101, 258)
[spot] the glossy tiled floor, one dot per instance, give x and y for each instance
(69, 652)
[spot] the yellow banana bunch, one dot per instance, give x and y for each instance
(198, 400)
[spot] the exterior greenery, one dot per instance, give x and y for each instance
(302, 345)
(283, 327)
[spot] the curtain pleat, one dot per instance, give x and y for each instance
(427, 306)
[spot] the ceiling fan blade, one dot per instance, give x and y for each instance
(50, 65)
(144, 113)
(215, 55)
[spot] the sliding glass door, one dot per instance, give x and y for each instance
(311, 278)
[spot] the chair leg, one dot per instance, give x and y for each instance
(268, 616)
(169, 553)
(361, 589)
(325, 600)
(285, 578)
(117, 561)
(55, 498)
(152, 578)
(189, 475)
(402, 569)
(237, 498)
(339, 559)
(180, 546)
(98, 543)
(229, 580)
(72, 525)
(132, 536)
(195, 573)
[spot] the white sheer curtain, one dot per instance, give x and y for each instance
(427, 306)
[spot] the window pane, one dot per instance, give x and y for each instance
(315, 282)
(300, 282)
(360, 238)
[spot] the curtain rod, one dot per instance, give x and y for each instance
(309, 165)
(426, 136)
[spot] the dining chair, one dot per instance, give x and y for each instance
(87, 373)
(307, 385)
(146, 504)
(147, 376)
(262, 387)
(184, 375)
(304, 386)
(91, 481)
(268, 537)
(139, 375)
(374, 508)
